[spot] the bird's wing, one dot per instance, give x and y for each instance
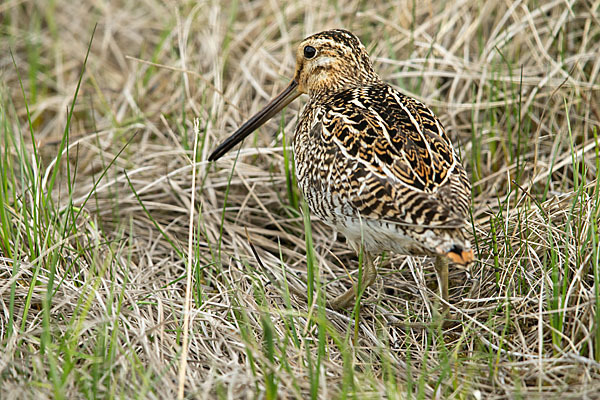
(396, 158)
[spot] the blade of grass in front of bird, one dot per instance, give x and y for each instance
(288, 165)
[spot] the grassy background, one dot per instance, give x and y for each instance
(96, 162)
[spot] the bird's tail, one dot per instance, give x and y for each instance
(460, 255)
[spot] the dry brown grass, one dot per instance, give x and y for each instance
(516, 84)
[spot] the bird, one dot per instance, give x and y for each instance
(372, 163)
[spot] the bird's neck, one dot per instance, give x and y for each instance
(320, 94)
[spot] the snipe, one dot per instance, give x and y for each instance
(371, 162)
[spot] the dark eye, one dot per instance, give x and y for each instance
(309, 52)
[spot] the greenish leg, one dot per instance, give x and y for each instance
(441, 267)
(368, 277)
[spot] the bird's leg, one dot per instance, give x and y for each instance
(369, 274)
(441, 267)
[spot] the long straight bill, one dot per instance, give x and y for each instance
(277, 104)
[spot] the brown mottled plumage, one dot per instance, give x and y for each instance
(371, 162)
